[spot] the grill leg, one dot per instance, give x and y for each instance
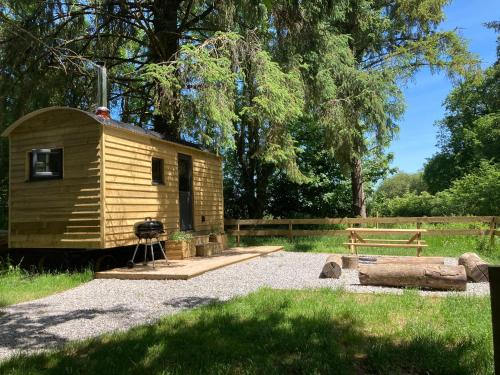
(145, 262)
(152, 252)
(162, 251)
(135, 251)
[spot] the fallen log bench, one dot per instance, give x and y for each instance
(389, 259)
(332, 268)
(431, 276)
(475, 268)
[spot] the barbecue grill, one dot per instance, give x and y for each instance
(148, 230)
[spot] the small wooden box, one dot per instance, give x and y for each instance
(208, 249)
(180, 249)
(220, 238)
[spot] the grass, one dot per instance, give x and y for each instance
(17, 285)
(291, 332)
(451, 246)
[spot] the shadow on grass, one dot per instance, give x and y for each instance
(255, 339)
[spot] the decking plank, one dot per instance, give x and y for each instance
(187, 268)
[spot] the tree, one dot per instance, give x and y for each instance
(470, 131)
(389, 42)
(68, 36)
(402, 183)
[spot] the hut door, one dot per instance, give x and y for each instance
(185, 165)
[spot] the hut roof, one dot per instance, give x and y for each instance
(103, 121)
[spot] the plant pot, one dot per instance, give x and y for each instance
(177, 250)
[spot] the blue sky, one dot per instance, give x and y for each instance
(425, 94)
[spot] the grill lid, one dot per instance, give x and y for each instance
(148, 226)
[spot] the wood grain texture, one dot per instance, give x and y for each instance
(106, 185)
(129, 194)
(56, 213)
(332, 268)
(475, 267)
(432, 276)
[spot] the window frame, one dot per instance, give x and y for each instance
(43, 176)
(161, 181)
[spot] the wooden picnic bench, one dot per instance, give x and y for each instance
(356, 240)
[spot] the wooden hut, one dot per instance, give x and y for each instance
(81, 180)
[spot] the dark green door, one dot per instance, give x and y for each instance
(185, 165)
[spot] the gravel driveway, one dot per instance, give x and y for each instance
(106, 305)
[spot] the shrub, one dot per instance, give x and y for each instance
(180, 236)
(476, 193)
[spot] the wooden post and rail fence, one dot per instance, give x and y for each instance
(257, 227)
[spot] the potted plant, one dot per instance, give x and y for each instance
(180, 245)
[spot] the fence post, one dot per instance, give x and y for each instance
(494, 276)
(238, 235)
(290, 230)
(493, 227)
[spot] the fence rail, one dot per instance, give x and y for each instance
(234, 226)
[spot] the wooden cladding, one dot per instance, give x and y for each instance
(110, 180)
(130, 194)
(52, 213)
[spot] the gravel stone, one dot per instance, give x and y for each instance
(105, 305)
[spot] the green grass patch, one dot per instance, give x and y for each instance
(450, 246)
(18, 285)
(292, 332)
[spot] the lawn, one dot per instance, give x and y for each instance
(17, 285)
(292, 332)
(451, 246)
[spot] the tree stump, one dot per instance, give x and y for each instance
(350, 262)
(433, 276)
(332, 268)
(475, 267)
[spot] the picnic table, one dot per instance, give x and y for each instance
(356, 239)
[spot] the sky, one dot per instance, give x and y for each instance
(426, 93)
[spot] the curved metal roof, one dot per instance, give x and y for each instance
(103, 121)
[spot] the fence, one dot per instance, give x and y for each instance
(256, 227)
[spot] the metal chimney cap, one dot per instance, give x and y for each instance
(103, 112)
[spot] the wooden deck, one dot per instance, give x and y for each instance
(187, 268)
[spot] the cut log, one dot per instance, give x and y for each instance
(432, 276)
(384, 259)
(350, 262)
(332, 268)
(475, 267)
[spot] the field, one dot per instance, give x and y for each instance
(292, 332)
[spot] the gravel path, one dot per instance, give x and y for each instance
(106, 305)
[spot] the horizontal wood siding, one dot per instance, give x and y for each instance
(130, 195)
(56, 213)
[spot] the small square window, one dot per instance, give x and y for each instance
(157, 171)
(46, 164)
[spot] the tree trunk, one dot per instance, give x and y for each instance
(384, 259)
(358, 193)
(433, 276)
(164, 46)
(350, 262)
(332, 268)
(475, 267)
